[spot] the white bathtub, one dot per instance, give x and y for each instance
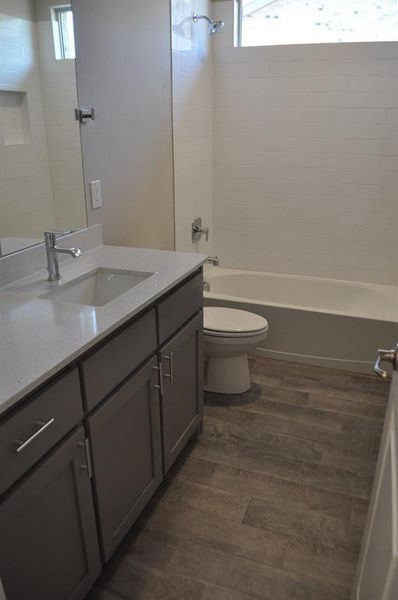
(318, 321)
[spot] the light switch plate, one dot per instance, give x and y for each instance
(96, 194)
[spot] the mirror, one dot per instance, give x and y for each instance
(41, 173)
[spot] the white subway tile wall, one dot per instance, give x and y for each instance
(63, 135)
(306, 157)
(25, 184)
(193, 122)
(41, 180)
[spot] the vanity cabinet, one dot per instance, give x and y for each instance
(96, 442)
(182, 397)
(48, 536)
(126, 452)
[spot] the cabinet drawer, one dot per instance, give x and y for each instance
(118, 357)
(177, 308)
(29, 432)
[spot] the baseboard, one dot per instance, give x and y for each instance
(318, 361)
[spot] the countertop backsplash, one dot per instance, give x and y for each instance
(25, 262)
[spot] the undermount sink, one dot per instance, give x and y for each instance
(98, 287)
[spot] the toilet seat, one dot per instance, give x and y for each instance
(232, 323)
(234, 336)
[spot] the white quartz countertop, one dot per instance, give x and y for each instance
(39, 337)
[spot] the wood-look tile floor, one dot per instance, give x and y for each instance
(269, 503)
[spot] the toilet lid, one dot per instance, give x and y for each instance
(232, 320)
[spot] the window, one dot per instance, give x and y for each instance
(280, 22)
(64, 35)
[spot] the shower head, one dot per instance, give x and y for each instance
(214, 26)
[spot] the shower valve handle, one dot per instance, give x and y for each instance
(198, 230)
(203, 231)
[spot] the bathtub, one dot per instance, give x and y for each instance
(326, 322)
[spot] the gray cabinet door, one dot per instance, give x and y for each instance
(48, 537)
(182, 400)
(126, 451)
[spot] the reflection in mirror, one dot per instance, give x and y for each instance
(41, 175)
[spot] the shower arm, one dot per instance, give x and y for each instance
(196, 17)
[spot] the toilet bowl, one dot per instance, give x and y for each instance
(229, 335)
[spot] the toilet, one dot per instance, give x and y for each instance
(229, 335)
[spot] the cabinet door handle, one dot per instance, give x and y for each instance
(21, 446)
(390, 356)
(170, 374)
(159, 386)
(89, 464)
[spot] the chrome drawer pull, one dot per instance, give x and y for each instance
(170, 374)
(21, 446)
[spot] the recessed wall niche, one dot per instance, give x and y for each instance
(14, 118)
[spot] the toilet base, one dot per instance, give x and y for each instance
(227, 375)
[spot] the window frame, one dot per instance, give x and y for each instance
(238, 19)
(238, 16)
(57, 12)
(241, 11)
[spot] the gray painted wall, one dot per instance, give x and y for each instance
(124, 70)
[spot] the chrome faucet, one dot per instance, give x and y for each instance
(50, 239)
(213, 260)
